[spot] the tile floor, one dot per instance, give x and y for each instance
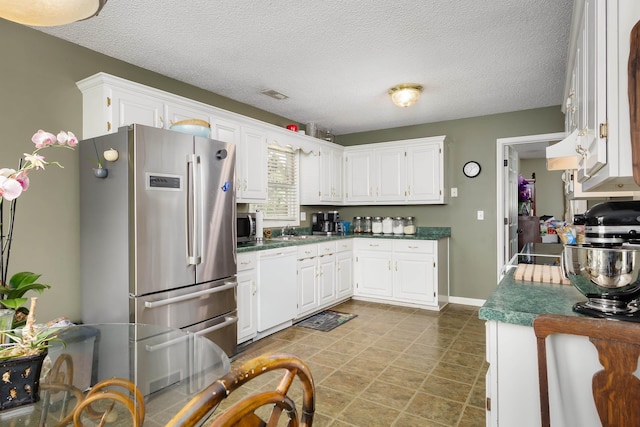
(390, 366)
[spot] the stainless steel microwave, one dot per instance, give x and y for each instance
(246, 226)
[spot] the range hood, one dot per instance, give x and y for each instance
(562, 155)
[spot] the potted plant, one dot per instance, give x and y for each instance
(22, 350)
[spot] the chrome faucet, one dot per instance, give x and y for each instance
(288, 231)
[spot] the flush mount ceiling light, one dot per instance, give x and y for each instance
(49, 13)
(406, 94)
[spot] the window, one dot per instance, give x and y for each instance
(282, 207)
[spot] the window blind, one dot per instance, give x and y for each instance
(282, 170)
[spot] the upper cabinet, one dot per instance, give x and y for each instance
(597, 106)
(321, 174)
(398, 172)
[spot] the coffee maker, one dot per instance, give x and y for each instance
(326, 223)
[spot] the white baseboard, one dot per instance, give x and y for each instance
(467, 301)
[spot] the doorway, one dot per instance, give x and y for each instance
(508, 154)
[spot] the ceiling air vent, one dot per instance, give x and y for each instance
(274, 94)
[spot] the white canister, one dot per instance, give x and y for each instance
(398, 225)
(387, 225)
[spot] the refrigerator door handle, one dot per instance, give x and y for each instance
(193, 207)
(228, 320)
(186, 297)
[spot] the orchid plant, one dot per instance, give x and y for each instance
(12, 184)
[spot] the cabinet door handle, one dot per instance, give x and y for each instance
(373, 246)
(389, 265)
(413, 247)
(396, 265)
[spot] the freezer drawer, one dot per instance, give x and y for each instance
(222, 330)
(187, 306)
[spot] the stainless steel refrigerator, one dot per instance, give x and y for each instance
(157, 237)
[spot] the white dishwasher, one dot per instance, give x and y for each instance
(277, 292)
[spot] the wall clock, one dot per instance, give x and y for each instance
(471, 169)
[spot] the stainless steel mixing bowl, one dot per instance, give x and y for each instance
(603, 272)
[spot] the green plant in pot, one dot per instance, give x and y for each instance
(22, 351)
(30, 340)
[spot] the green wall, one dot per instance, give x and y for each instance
(38, 92)
(473, 243)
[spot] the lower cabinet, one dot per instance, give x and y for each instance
(247, 296)
(324, 275)
(407, 272)
(344, 269)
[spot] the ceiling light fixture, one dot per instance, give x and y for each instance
(49, 13)
(406, 94)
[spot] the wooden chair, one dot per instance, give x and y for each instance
(59, 380)
(616, 391)
(243, 413)
(100, 402)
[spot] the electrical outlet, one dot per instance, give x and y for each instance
(454, 192)
(480, 215)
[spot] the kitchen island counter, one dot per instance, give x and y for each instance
(519, 302)
(423, 233)
(512, 377)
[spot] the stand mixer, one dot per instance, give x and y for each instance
(606, 269)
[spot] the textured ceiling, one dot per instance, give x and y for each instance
(335, 59)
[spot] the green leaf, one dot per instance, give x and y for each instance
(22, 279)
(13, 303)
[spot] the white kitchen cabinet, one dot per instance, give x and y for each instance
(321, 174)
(373, 275)
(358, 176)
(251, 166)
(307, 277)
(425, 177)
(247, 296)
(326, 273)
(390, 174)
(415, 271)
(405, 272)
(323, 280)
(331, 174)
(397, 172)
(344, 269)
(597, 104)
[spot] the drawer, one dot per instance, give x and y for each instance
(374, 245)
(247, 261)
(344, 245)
(416, 246)
(307, 251)
(326, 248)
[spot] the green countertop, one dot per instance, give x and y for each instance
(519, 302)
(422, 233)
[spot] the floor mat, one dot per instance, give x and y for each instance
(326, 320)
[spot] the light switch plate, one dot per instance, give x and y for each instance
(480, 215)
(454, 192)
(303, 216)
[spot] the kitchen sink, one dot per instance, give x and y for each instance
(296, 238)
